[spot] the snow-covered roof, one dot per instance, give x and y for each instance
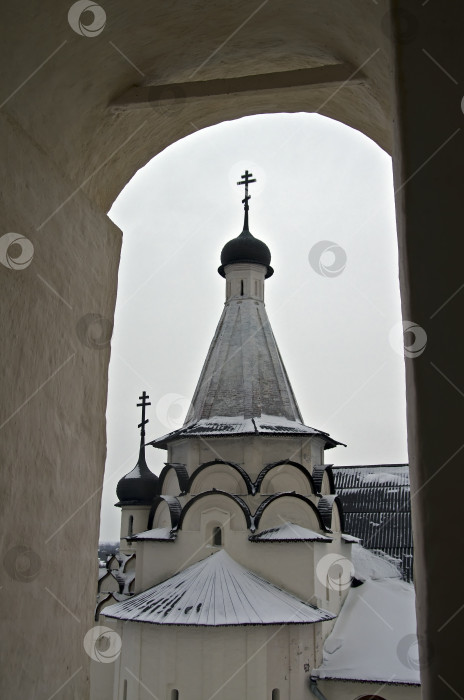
(289, 532)
(374, 565)
(243, 373)
(351, 538)
(217, 591)
(102, 571)
(158, 534)
(217, 426)
(374, 637)
(377, 506)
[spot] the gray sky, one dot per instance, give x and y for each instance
(340, 334)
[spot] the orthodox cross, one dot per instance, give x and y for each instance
(144, 404)
(246, 180)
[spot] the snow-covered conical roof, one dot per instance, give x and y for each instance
(217, 591)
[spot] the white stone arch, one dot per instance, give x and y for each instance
(222, 476)
(291, 508)
(237, 516)
(165, 512)
(173, 479)
(331, 510)
(285, 476)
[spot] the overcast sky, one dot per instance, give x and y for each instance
(336, 317)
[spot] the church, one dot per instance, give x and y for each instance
(246, 584)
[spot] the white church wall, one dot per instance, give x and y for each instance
(139, 515)
(199, 663)
(245, 280)
(248, 452)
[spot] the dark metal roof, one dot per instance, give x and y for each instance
(377, 506)
(245, 248)
(217, 427)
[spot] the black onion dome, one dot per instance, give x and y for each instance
(139, 486)
(246, 249)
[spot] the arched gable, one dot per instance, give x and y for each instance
(164, 512)
(276, 478)
(331, 510)
(288, 507)
(323, 479)
(235, 506)
(174, 477)
(228, 476)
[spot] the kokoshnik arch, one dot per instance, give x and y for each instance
(80, 113)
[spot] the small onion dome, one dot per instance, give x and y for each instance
(246, 249)
(139, 486)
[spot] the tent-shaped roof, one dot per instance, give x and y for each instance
(217, 591)
(243, 388)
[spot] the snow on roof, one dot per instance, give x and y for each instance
(158, 534)
(374, 565)
(371, 475)
(102, 571)
(239, 425)
(350, 538)
(217, 591)
(374, 637)
(377, 506)
(289, 532)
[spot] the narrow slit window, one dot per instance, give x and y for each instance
(124, 691)
(241, 288)
(130, 530)
(276, 694)
(217, 537)
(174, 694)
